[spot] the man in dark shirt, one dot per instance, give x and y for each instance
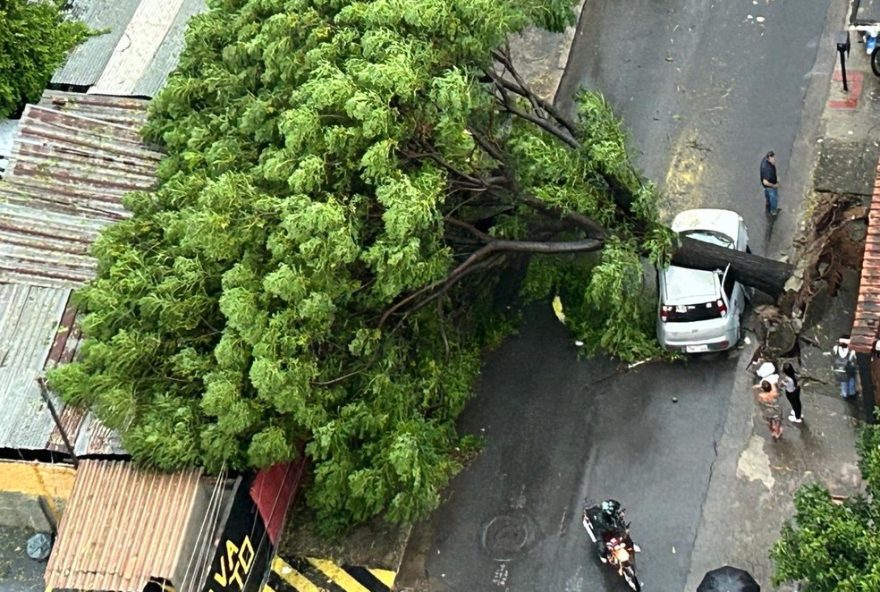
(770, 183)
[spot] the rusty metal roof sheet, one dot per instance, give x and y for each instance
(138, 53)
(37, 332)
(866, 321)
(123, 526)
(73, 158)
(125, 111)
(64, 183)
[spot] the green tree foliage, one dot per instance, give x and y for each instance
(831, 546)
(345, 183)
(34, 40)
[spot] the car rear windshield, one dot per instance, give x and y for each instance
(685, 313)
(711, 236)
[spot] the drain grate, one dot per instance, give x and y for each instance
(508, 535)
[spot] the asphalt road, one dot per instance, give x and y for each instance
(560, 430)
(705, 90)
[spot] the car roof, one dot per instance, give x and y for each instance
(682, 285)
(726, 222)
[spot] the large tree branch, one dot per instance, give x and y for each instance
(487, 145)
(622, 195)
(486, 238)
(484, 264)
(464, 178)
(492, 246)
(504, 58)
(522, 89)
(541, 122)
(547, 247)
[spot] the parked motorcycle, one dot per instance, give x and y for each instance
(864, 17)
(605, 522)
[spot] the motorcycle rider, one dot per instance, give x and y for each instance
(610, 525)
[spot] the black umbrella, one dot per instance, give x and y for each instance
(728, 579)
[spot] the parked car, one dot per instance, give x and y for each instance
(701, 311)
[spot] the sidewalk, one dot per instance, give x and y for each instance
(754, 480)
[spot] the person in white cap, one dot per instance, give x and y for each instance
(843, 366)
(767, 371)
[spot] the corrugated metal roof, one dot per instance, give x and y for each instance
(37, 332)
(866, 321)
(87, 434)
(126, 111)
(123, 526)
(140, 51)
(86, 62)
(165, 59)
(65, 182)
(67, 175)
(29, 318)
(143, 35)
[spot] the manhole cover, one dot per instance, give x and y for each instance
(507, 535)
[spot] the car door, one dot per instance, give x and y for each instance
(742, 239)
(733, 291)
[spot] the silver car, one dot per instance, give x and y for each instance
(701, 311)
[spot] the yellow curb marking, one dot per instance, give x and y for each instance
(337, 575)
(293, 577)
(386, 576)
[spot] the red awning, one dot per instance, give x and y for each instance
(273, 490)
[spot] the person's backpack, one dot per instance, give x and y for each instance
(842, 367)
(840, 364)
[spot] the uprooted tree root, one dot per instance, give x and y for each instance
(832, 240)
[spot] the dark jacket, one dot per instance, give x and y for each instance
(768, 172)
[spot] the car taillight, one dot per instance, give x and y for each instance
(664, 313)
(722, 308)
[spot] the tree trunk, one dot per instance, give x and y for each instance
(766, 275)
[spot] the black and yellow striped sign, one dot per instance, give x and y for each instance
(319, 575)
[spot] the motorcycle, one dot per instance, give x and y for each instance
(619, 549)
(871, 46)
(864, 18)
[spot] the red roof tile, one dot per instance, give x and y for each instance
(867, 317)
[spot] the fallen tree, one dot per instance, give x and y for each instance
(346, 185)
(762, 273)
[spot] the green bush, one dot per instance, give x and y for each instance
(34, 40)
(832, 546)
